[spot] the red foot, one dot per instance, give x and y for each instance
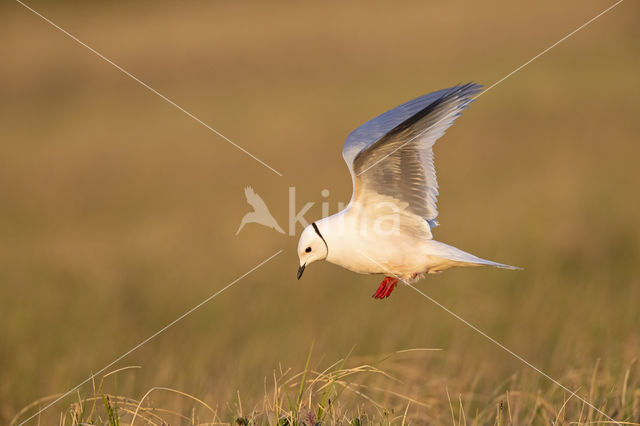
(386, 287)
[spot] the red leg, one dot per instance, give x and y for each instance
(381, 289)
(386, 287)
(392, 285)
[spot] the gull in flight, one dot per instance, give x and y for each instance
(260, 213)
(386, 227)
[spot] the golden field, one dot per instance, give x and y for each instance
(119, 213)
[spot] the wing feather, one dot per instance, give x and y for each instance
(392, 155)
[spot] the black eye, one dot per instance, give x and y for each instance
(307, 250)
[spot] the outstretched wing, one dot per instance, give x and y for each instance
(255, 200)
(392, 155)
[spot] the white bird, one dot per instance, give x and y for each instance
(386, 227)
(260, 213)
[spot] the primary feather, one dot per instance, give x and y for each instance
(392, 155)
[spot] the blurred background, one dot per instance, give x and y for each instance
(118, 212)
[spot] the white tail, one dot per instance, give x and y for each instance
(451, 253)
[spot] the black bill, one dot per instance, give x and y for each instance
(301, 270)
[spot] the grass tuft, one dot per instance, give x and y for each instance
(363, 394)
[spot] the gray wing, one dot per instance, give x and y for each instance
(375, 128)
(392, 154)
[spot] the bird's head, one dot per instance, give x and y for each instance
(311, 247)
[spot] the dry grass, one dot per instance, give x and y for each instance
(366, 394)
(118, 213)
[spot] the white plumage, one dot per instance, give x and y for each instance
(386, 228)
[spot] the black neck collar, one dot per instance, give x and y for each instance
(315, 228)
